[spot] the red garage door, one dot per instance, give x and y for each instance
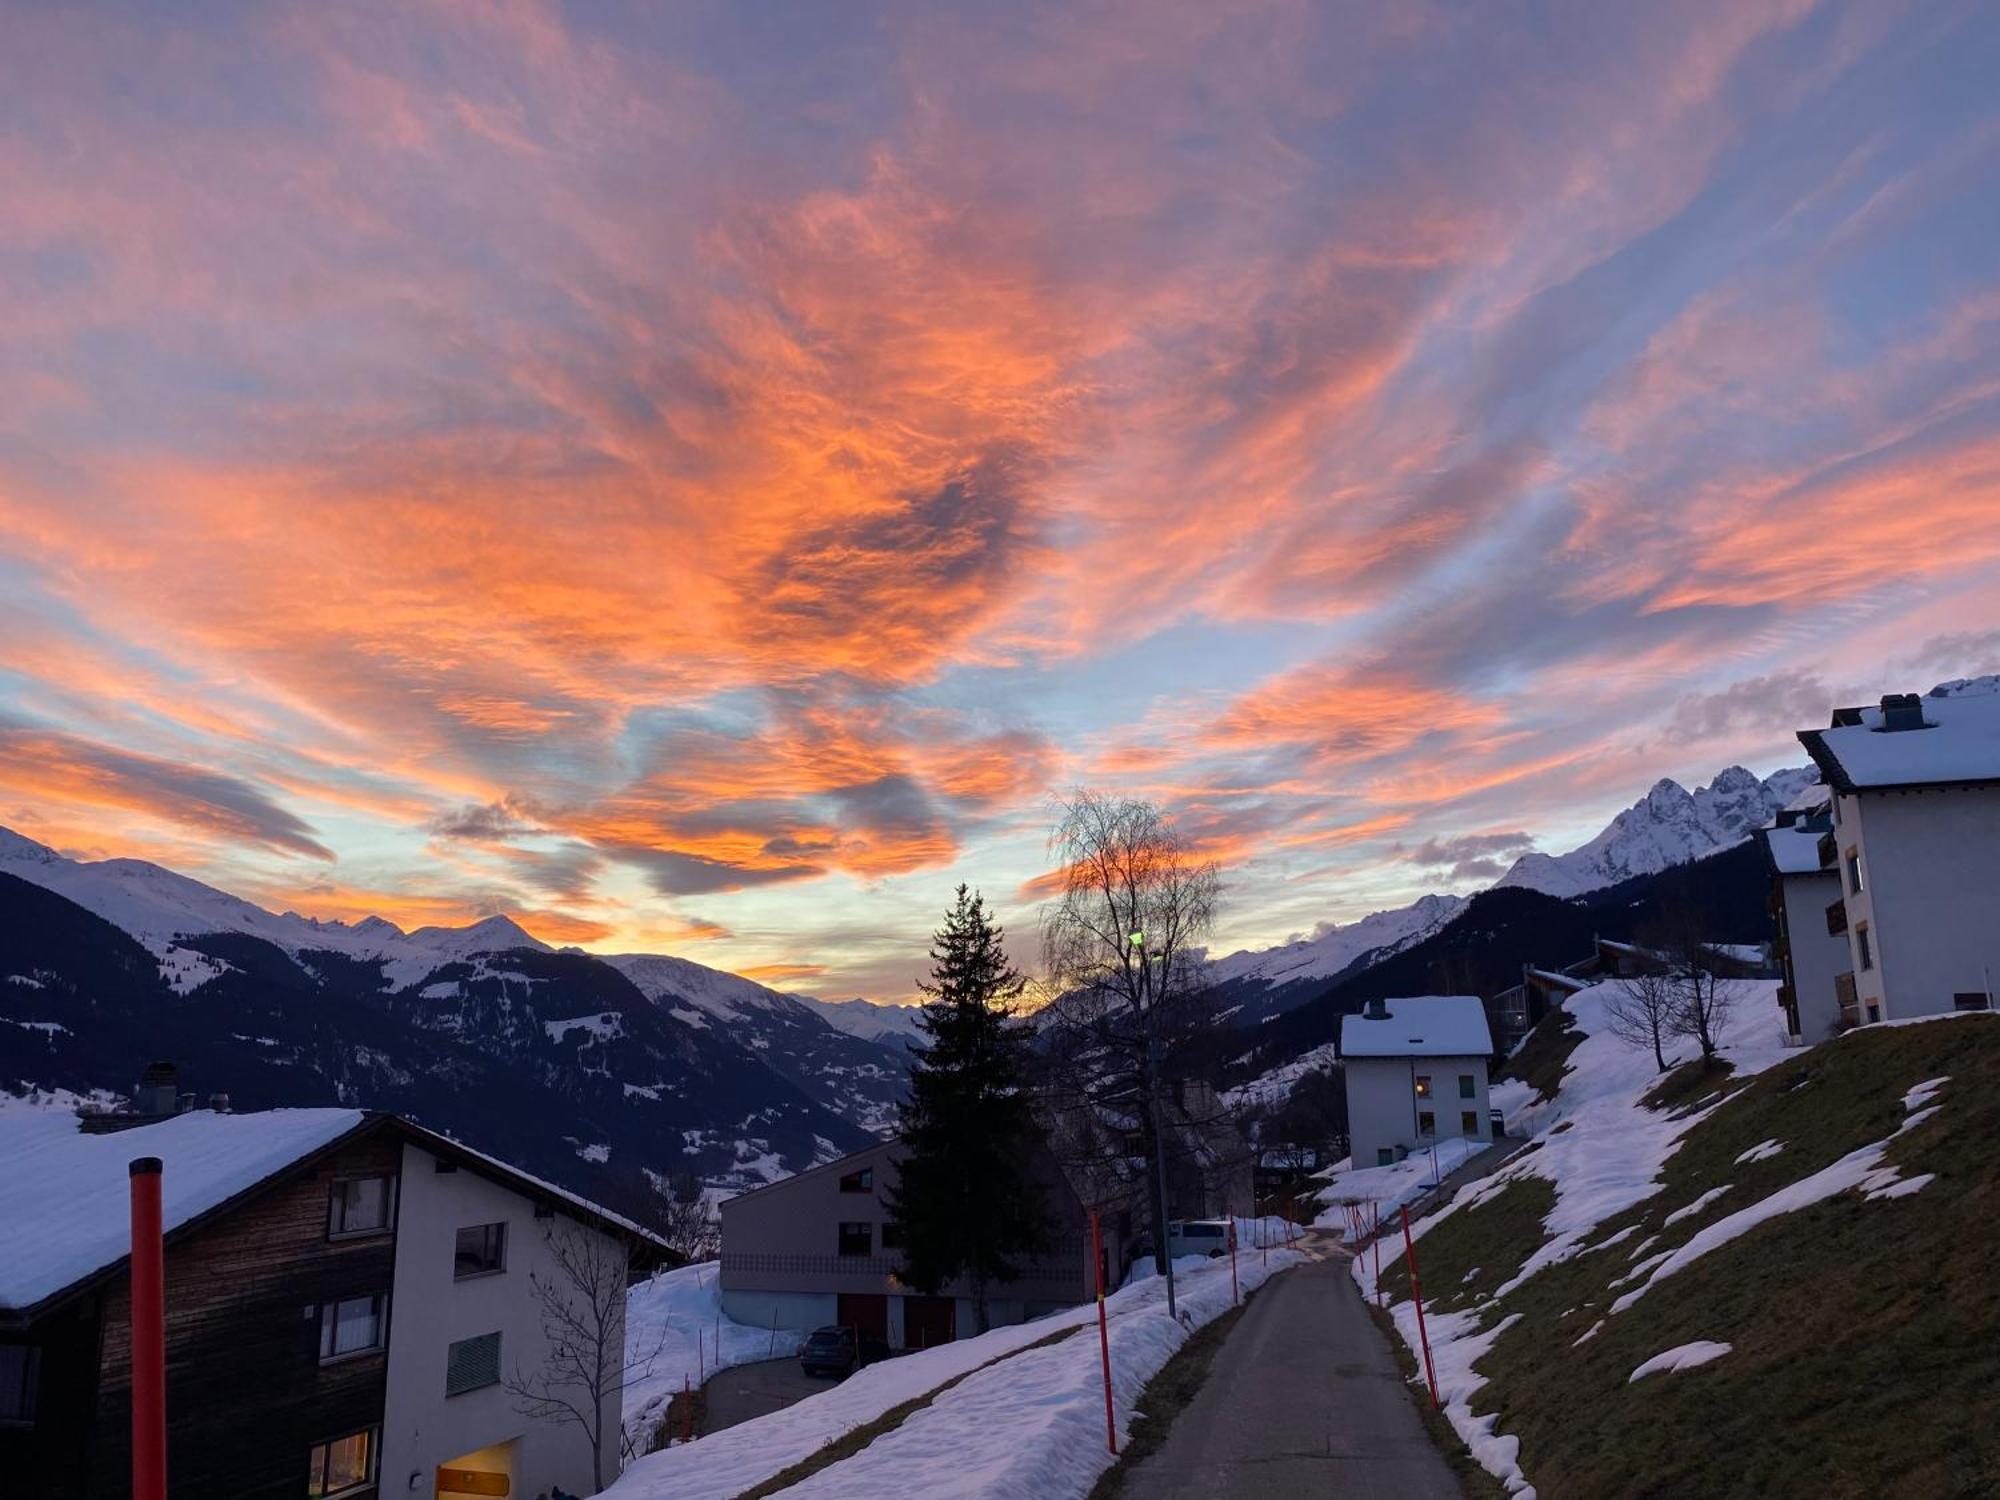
(867, 1312)
(927, 1322)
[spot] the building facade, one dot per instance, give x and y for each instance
(819, 1249)
(344, 1293)
(1914, 846)
(1416, 1073)
(1812, 961)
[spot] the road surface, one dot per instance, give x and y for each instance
(745, 1391)
(1304, 1398)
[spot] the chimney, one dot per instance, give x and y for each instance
(1902, 711)
(1376, 1010)
(219, 1103)
(157, 1093)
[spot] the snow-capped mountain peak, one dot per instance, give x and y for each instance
(1670, 825)
(1328, 952)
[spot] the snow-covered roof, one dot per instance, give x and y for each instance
(65, 1197)
(1420, 1026)
(1794, 850)
(1958, 742)
(1559, 980)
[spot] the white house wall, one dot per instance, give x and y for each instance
(1930, 897)
(1817, 956)
(1382, 1105)
(423, 1427)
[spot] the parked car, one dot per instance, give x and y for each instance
(839, 1351)
(1208, 1237)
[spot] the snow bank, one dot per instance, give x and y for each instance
(675, 1320)
(1457, 1344)
(741, 1457)
(1686, 1357)
(1033, 1426)
(1390, 1187)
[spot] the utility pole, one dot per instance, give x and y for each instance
(1147, 1019)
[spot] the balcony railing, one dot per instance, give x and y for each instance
(1836, 918)
(1850, 1004)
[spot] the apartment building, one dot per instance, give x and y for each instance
(1914, 843)
(345, 1293)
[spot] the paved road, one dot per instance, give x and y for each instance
(1304, 1399)
(745, 1391)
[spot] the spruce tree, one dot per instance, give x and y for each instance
(964, 1203)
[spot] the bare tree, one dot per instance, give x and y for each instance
(1703, 1003)
(681, 1216)
(1122, 947)
(1642, 1011)
(581, 1300)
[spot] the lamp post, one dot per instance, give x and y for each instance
(1146, 1019)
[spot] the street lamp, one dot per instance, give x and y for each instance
(1150, 1022)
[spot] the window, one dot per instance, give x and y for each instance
(1468, 1122)
(859, 1182)
(1853, 872)
(353, 1325)
(1423, 1085)
(1465, 1086)
(1864, 947)
(481, 1251)
(1427, 1123)
(856, 1239)
(344, 1464)
(18, 1367)
(1874, 1012)
(892, 1237)
(1963, 1000)
(472, 1364)
(361, 1205)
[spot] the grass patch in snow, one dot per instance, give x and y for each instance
(1865, 1335)
(1689, 1083)
(1488, 1243)
(1544, 1056)
(855, 1439)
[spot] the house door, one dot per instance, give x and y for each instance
(928, 1321)
(865, 1312)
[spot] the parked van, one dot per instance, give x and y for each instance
(1208, 1237)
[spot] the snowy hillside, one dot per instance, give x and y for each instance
(1668, 826)
(1680, 1268)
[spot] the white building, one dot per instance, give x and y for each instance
(1811, 958)
(1416, 1074)
(1915, 841)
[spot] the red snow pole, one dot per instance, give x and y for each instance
(1103, 1334)
(149, 1335)
(1375, 1212)
(1235, 1295)
(1417, 1296)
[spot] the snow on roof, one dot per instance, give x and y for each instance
(1959, 742)
(1420, 1026)
(1794, 850)
(65, 1199)
(1560, 980)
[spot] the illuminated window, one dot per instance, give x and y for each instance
(361, 1205)
(353, 1325)
(1423, 1085)
(344, 1464)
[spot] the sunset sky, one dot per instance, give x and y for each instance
(698, 477)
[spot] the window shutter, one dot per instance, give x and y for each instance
(472, 1363)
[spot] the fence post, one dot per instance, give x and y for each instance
(1417, 1296)
(1103, 1334)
